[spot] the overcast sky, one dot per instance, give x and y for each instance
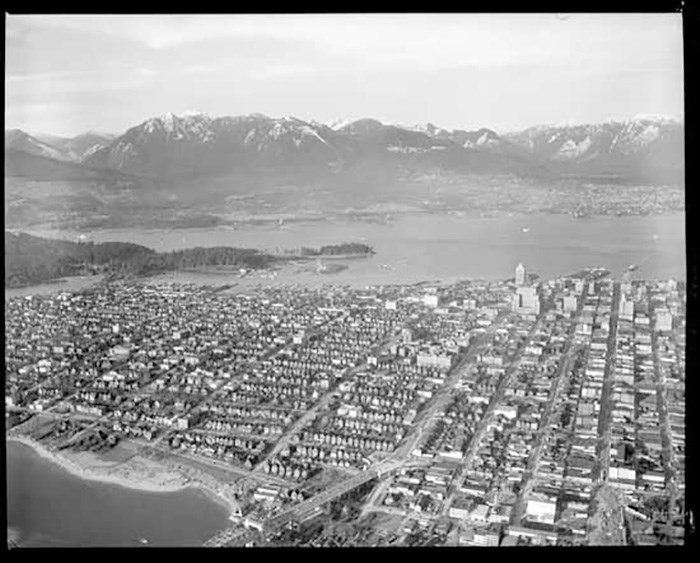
(69, 74)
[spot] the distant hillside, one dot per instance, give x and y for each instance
(195, 169)
(71, 149)
(645, 149)
(77, 147)
(16, 139)
(30, 260)
(26, 165)
(196, 145)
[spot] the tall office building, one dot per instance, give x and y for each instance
(664, 321)
(520, 274)
(626, 308)
(526, 300)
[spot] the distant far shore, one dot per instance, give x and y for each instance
(281, 220)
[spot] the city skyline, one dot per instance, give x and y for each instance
(465, 71)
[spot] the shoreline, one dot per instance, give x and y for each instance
(234, 223)
(130, 481)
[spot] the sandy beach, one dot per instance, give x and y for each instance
(136, 473)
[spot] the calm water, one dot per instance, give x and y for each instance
(448, 247)
(50, 507)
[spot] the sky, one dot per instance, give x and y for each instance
(69, 74)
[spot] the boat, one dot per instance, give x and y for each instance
(143, 541)
(526, 229)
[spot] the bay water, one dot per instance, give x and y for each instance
(49, 507)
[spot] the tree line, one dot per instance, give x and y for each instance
(338, 249)
(31, 260)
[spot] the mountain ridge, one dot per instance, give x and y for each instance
(194, 145)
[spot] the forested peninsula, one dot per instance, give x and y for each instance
(31, 260)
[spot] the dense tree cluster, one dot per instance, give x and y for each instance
(30, 260)
(193, 258)
(338, 249)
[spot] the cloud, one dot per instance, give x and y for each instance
(36, 76)
(392, 41)
(203, 69)
(284, 71)
(326, 63)
(46, 85)
(145, 72)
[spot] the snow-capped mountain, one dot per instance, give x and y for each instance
(585, 141)
(471, 139)
(192, 145)
(374, 136)
(338, 123)
(429, 129)
(172, 145)
(645, 146)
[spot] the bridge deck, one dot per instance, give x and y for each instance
(328, 495)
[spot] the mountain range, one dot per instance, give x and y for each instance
(180, 149)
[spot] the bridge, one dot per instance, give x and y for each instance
(278, 521)
(225, 537)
